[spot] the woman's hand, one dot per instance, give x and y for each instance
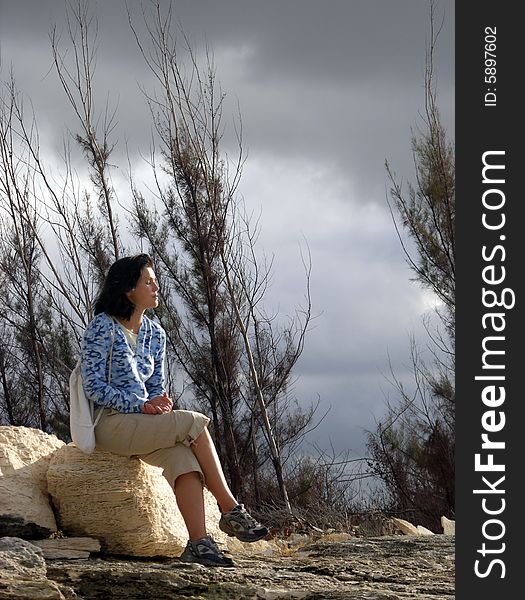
(158, 405)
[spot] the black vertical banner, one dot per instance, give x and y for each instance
(490, 361)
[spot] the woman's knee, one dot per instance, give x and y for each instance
(200, 416)
(189, 477)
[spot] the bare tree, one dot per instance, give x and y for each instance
(54, 243)
(413, 450)
(19, 258)
(238, 365)
(77, 83)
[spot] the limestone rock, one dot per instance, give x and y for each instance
(262, 547)
(424, 531)
(449, 527)
(400, 567)
(25, 510)
(23, 572)
(405, 526)
(68, 548)
(123, 502)
(20, 559)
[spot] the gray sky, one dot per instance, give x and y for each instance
(327, 90)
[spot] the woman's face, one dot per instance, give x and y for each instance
(146, 293)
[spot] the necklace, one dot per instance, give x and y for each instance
(128, 327)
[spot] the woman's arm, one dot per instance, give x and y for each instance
(94, 363)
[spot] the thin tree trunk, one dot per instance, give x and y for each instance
(274, 450)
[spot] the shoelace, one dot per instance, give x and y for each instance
(210, 543)
(247, 518)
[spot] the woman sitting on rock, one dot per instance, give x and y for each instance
(122, 364)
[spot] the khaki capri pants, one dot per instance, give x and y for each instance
(162, 440)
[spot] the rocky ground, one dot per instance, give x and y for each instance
(369, 562)
(379, 568)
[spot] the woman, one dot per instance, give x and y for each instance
(122, 364)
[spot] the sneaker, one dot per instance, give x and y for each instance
(240, 524)
(205, 552)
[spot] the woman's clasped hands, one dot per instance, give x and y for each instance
(158, 405)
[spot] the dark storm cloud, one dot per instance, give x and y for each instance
(338, 80)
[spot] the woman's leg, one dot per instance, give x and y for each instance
(186, 468)
(235, 519)
(205, 452)
(201, 548)
(190, 500)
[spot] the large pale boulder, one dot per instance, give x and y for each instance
(25, 510)
(125, 503)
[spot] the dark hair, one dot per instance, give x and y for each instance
(121, 278)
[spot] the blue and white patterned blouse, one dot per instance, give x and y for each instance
(136, 374)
